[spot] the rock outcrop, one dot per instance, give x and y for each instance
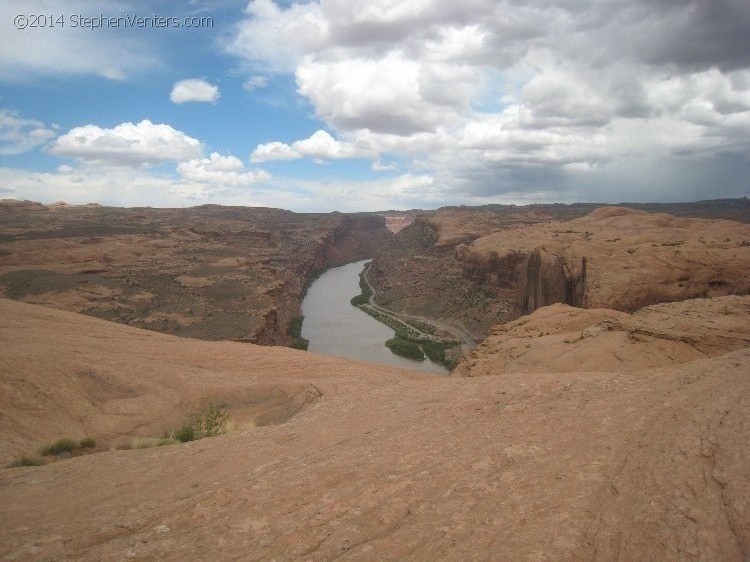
(614, 258)
(562, 338)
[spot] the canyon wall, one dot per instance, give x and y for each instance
(208, 272)
(442, 267)
(614, 258)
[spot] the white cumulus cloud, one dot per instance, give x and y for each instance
(194, 89)
(127, 144)
(220, 170)
(319, 146)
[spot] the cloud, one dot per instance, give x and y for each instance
(319, 146)
(255, 82)
(392, 94)
(273, 39)
(18, 135)
(194, 89)
(378, 166)
(64, 50)
(227, 171)
(127, 144)
(219, 179)
(515, 90)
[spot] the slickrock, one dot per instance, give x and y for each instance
(384, 464)
(562, 338)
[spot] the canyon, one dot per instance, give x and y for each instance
(602, 416)
(209, 272)
(474, 268)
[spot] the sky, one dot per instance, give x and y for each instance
(371, 105)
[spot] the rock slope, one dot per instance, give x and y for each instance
(644, 464)
(562, 338)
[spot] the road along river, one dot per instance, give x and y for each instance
(335, 327)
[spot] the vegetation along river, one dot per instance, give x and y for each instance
(335, 327)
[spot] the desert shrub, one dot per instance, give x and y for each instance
(26, 460)
(87, 443)
(214, 420)
(60, 447)
(207, 423)
(405, 348)
(186, 432)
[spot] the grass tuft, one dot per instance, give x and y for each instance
(26, 460)
(59, 448)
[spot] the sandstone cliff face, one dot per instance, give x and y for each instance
(355, 238)
(435, 268)
(416, 272)
(613, 258)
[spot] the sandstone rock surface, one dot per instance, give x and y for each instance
(645, 464)
(562, 338)
(615, 258)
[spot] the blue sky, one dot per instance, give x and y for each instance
(374, 105)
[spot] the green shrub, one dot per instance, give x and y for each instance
(359, 300)
(186, 432)
(207, 423)
(436, 352)
(214, 420)
(405, 348)
(300, 343)
(60, 447)
(26, 460)
(87, 443)
(365, 293)
(295, 332)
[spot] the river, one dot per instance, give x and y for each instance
(335, 327)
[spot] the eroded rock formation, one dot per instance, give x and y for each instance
(433, 268)
(612, 258)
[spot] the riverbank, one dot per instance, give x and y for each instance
(415, 336)
(334, 327)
